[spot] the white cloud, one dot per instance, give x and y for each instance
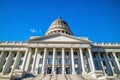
(33, 30)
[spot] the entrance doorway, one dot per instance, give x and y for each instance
(58, 70)
(67, 70)
(49, 70)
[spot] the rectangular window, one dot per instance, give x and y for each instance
(77, 70)
(7, 54)
(110, 55)
(75, 54)
(42, 52)
(96, 64)
(118, 55)
(67, 61)
(39, 70)
(58, 53)
(4, 62)
(67, 54)
(101, 54)
(9, 70)
(106, 71)
(58, 61)
(33, 52)
(104, 63)
(1, 69)
(21, 61)
(115, 71)
(12, 62)
(15, 54)
(29, 69)
(94, 55)
(112, 63)
(75, 61)
(50, 53)
(49, 60)
(41, 61)
(22, 54)
(32, 61)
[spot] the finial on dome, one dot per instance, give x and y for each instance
(59, 17)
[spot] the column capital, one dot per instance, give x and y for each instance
(54, 48)
(36, 47)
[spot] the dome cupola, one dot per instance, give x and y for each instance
(59, 26)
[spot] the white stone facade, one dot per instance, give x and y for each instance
(59, 53)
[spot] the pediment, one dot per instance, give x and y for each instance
(58, 38)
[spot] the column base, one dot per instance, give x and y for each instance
(96, 73)
(43, 73)
(63, 72)
(73, 72)
(18, 73)
(53, 72)
(84, 73)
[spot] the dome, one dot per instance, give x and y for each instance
(59, 26)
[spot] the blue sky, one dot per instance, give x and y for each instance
(99, 20)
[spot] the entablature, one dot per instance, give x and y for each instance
(58, 45)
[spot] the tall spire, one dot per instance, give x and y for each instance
(59, 26)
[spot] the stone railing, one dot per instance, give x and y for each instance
(105, 44)
(13, 43)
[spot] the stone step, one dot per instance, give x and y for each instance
(46, 77)
(88, 77)
(68, 77)
(53, 77)
(80, 77)
(60, 76)
(75, 77)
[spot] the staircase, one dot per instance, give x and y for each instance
(61, 77)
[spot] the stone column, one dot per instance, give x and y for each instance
(82, 60)
(34, 60)
(53, 64)
(1, 57)
(91, 59)
(8, 61)
(72, 59)
(101, 63)
(109, 63)
(116, 60)
(25, 59)
(100, 60)
(16, 60)
(28, 59)
(44, 60)
(63, 61)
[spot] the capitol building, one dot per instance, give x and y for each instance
(59, 55)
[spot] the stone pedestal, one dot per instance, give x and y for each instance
(96, 74)
(17, 73)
